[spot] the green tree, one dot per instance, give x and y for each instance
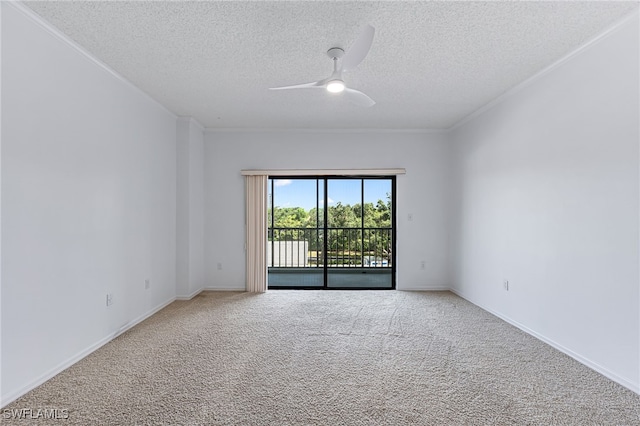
(342, 216)
(346, 241)
(289, 218)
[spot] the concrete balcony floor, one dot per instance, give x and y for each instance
(337, 277)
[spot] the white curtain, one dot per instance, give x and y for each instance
(256, 230)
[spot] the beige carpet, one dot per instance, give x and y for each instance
(330, 358)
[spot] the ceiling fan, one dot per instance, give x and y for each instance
(350, 59)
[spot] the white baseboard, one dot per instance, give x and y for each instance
(8, 399)
(409, 288)
(190, 296)
(223, 289)
(635, 387)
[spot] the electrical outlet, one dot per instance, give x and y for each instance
(505, 284)
(219, 265)
(109, 299)
(147, 284)
(423, 264)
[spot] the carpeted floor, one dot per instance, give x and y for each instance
(330, 358)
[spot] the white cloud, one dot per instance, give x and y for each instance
(282, 182)
(321, 201)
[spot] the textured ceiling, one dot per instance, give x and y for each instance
(431, 63)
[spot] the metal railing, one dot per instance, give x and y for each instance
(344, 247)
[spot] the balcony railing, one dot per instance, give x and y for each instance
(345, 247)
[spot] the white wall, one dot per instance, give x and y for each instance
(546, 196)
(1, 364)
(88, 203)
(422, 192)
(190, 208)
(96, 196)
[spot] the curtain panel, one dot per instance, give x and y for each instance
(256, 233)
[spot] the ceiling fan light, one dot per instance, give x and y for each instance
(335, 86)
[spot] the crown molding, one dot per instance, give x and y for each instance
(50, 29)
(327, 130)
(191, 120)
(56, 33)
(634, 15)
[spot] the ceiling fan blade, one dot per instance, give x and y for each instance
(359, 98)
(314, 85)
(359, 49)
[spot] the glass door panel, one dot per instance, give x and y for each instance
(344, 220)
(378, 238)
(293, 235)
(331, 233)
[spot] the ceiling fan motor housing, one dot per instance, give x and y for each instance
(335, 53)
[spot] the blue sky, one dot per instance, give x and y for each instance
(302, 192)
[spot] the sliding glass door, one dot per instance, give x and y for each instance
(347, 245)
